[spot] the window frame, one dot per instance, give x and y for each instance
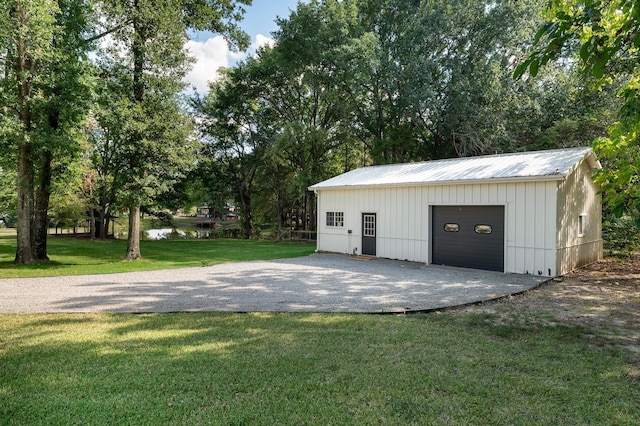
(483, 225)
(582, 224)
(334, 219)
(451, 227)
(369, 225)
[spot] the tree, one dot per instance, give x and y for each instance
(107, 139)
(150, 69)
(26, 33)
(604, 37)
(237, 134)
(299, 84)
(43, 81)
(7, 196)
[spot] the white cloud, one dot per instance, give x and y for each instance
(262, 40)
(214, 53)
(209, 56)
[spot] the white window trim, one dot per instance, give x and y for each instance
(334, 219)
(582, 225)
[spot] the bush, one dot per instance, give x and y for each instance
(7, 220)
(620, 235)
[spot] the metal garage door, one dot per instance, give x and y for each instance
(468, 236)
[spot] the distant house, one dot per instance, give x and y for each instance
(204, 211)
(527, 213)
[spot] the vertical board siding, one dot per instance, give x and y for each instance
(541, 220)
(403, 220)
(577, 195)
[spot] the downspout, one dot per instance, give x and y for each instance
(318, 210)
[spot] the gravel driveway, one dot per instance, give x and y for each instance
(316, 283)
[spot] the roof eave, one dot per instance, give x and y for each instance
(545, 178)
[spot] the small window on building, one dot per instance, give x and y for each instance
(483, 229)
(335, 219)
(331, 219)
(369, 225)
(451, 227)
(582, 224)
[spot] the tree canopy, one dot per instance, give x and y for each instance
(358, 82)
(45, 79)
(604, 36)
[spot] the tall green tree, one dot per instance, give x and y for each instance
(149, 60)
(604, 38)
(299, 83)
(107, 139)
(42, 68)
(237, 133)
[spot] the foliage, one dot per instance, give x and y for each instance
(43, 100)
(317, 369)
(620, 235)
(605, 37)
(355, 82)
(7, 197)
(237, 134)
(146, 65)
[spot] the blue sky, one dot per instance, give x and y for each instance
(211, 51)
(261, 15)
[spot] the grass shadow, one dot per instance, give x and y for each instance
(305, 368)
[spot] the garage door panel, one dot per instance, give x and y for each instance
(468, 236)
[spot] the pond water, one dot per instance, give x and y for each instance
(171, 234)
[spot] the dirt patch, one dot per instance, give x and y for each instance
(603, 297)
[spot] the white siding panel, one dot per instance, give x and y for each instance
(529, 215)
(468, 195)
(501, 191)
(519, 218)
(577, 195)
(540, 216)
(492, 194)
(551, 214)
(412, 210)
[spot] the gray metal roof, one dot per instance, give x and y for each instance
(536, 165)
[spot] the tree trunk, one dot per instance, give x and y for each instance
(247, 220)
(92, 225)
(24, 240)
(279, 233)
(310, 213)
(138, 53)
(43, 194)
(133, 239)
(102, 224)
(22, 63)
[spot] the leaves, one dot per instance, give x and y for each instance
(607, 33)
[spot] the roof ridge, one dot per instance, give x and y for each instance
(503, 154)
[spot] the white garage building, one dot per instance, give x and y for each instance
(527, 213)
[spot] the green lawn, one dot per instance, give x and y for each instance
(292, 369)
(313, 369)
(72, 256)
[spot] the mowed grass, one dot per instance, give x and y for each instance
(73, 256)
(312, 369)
